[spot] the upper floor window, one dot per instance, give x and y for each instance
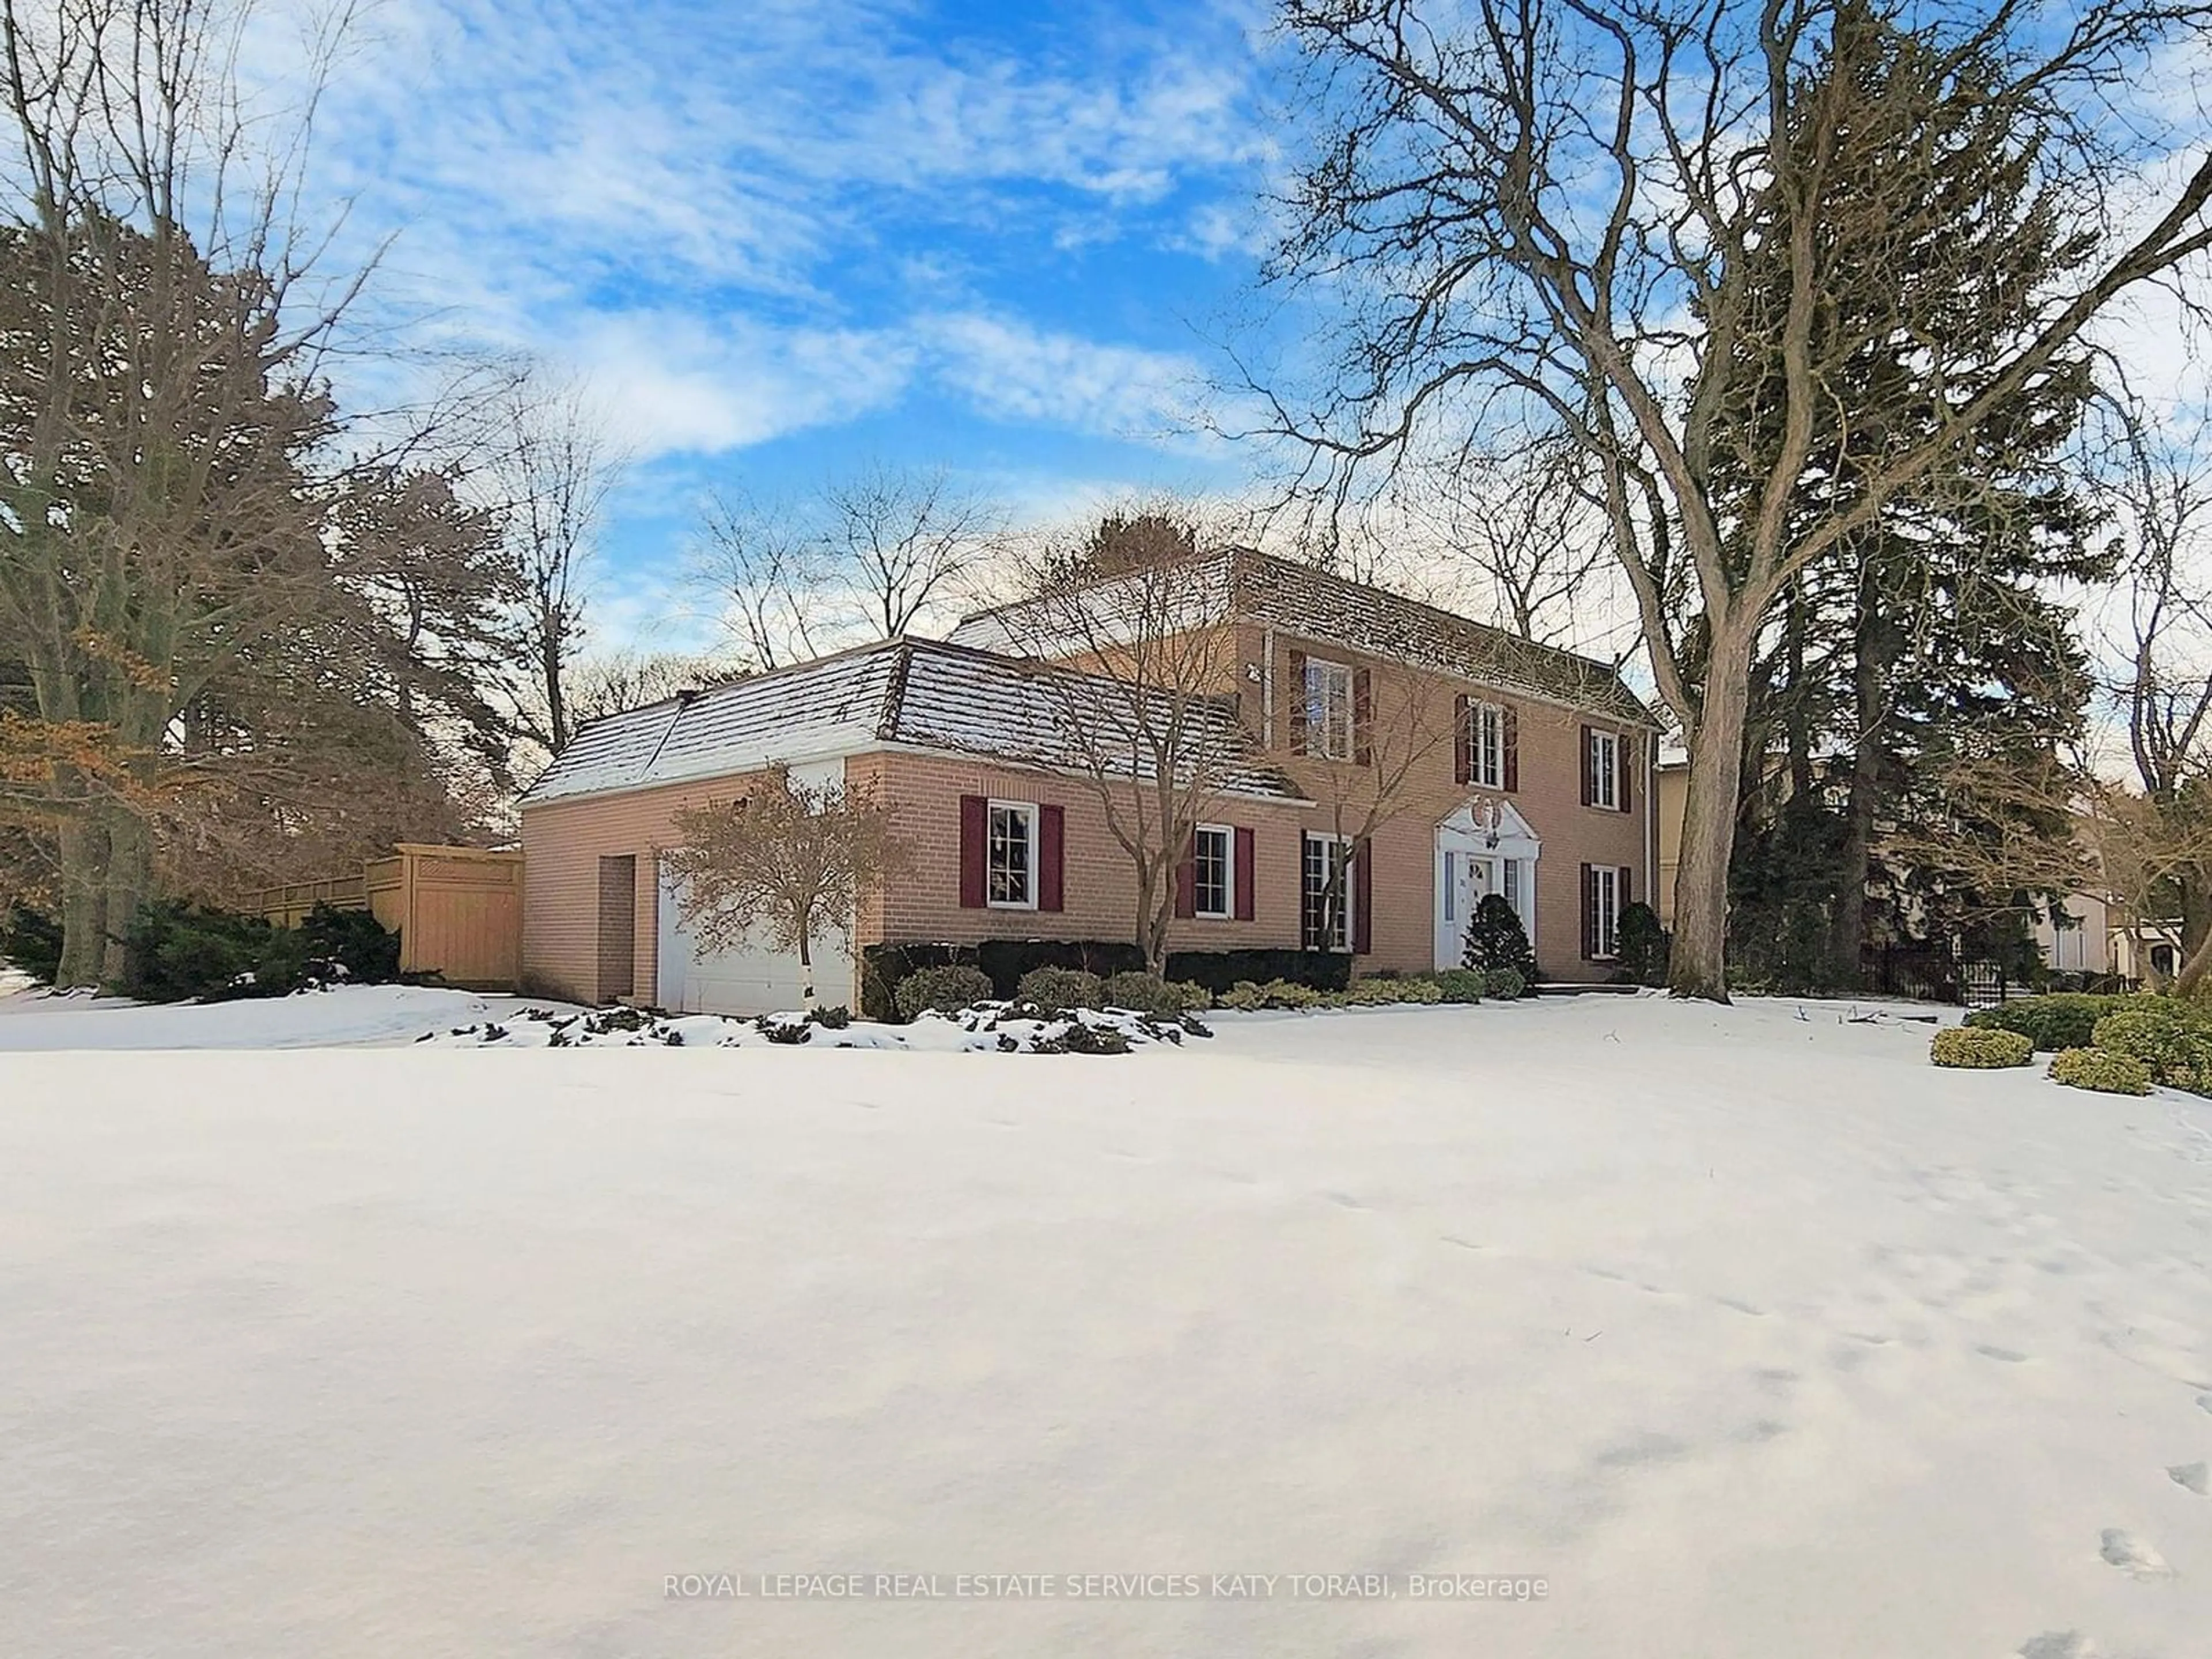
(1329, 733)
(1010, 855)
(1604, 764)
(1214, 883)
(1486, 745)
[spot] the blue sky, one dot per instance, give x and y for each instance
(780, 237)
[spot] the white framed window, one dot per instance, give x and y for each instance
(1329, 710)
(1213, 857)
(1327, 891)
(1486, 745)
(1010, 855)
(1605, 770)
(1605, 912)
(1514, 884)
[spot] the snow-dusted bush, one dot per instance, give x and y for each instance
(2169, 1036)
(1963, 1046)
(1505, 984)
(2101, 1070)
(1062, 988)
(2067, 1019)
(1496, 941)
(1460, 985)
(942, 988)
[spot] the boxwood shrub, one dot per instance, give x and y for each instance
(1963, 1046)
(1062, 988)
(2101, 1070)
(1504, 984)
(952, 987)
(2171, 1038)
(2065, 1019)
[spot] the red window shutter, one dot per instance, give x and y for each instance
(1052, 841)
(1246, 898)
(1297, 710)
(1186, 879)
(1363, 899)
(975, 831)
(1589, 770)
(1624, 748)
(1463, 739)
(1363, 717)
(1512, 724)
(1590, 913)
(1623, 898)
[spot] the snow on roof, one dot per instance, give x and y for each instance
(1304, 600)
(921, 693)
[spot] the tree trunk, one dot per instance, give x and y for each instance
(129, 877)
(1870, 668)
(806, 962)
(2195, 894)
(1699, 964)
(83, 849)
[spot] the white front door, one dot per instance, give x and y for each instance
(1464, 876)
(1475, 858)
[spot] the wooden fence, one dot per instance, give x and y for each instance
(457, 910)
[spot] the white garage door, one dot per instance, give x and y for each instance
(749, 979)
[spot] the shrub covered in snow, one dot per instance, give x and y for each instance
(1061, 988)
(1012, 1028)
(942, 989)
(2101, 1070)
(184, 952)
(1505, 984)
(2170, 1037)
(1643, 945)
(1963, 1046)
(2067, 1019)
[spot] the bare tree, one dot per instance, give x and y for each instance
(554, 471)
(792, 862)
(762, 574)
(885, 551)
(1671, 228)
(1150, 723)
(606, 683)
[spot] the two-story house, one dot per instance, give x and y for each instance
(1399, 763)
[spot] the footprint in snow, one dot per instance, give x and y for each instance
(2009, 1356)
(2058, 1644)
(2132, 1555)
(2204, 1400)
(2195, 1477)
(1746, 1308)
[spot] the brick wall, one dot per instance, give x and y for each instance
(1414, 749)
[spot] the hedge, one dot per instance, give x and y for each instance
(2172, 1039)
(1004, 962)
(2065, 1019)
(2101, 1070)
(1980, 1049)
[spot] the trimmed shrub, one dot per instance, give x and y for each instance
(2067, 1019)
(2170, 1037)
(1218, 970)
(31, 940)
(1062, 988)
(355, 940)
(2101, 1070)
(1195, 998)
(947, 989)
(1962, 1046)
(830, 1019)
(183, 952)
(1641, 945)
(1148, 993)
(1459, 985)
(1382, 989)
(1497, 941)
(1505, 984)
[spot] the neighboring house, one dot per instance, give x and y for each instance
(1532, 779)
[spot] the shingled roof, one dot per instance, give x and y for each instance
(916, 693)
(1239, 584)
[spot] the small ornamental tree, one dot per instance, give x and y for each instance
(1496, 941)
(790, 863)
(1643, 945)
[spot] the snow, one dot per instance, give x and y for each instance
(986, 1028)
(348, 1014)
(1747, 1333)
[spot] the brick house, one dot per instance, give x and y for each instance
(1511, 768)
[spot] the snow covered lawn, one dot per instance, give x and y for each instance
(1747, 1335)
